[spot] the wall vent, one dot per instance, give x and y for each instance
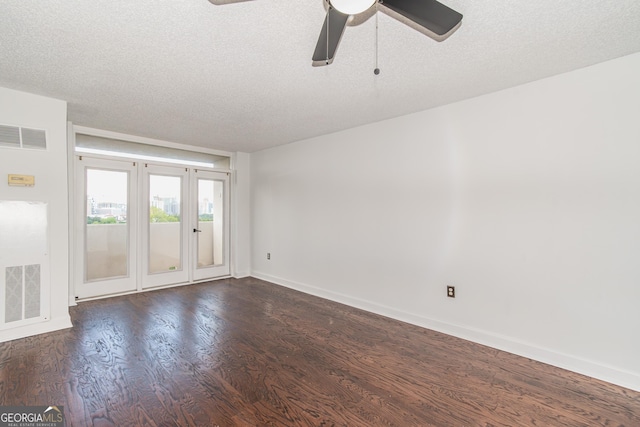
(22, 292)
(19, 137)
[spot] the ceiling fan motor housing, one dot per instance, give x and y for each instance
(351, 7)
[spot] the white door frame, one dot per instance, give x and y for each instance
(221, 223)
(90, 288)
(181, 274)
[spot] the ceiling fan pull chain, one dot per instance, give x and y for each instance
(328, 31)
(376, 70)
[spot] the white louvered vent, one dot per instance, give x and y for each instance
(19, 137)
(22, 292)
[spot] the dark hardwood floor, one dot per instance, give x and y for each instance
(250, 353)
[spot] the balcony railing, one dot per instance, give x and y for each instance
(107, 248)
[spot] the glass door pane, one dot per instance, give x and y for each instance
(165, 245)
(211, 229)
(165, 232)
(210, 223)
(107, 229)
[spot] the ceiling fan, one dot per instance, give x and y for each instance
(430, 17)
(223, 2)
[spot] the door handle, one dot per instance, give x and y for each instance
(195, 230)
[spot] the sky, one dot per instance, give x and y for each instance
(111, 186)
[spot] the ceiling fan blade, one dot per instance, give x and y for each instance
(427, 16)
(335, 22)
(223, 2)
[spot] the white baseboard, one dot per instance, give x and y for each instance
(585, 367)
(241, 274)
(36, 329)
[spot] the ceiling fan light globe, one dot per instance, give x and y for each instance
(351, 7)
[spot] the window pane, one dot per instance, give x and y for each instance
(210, 222)
(107, 248)
(165, 231)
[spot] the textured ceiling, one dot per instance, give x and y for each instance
(238, 76)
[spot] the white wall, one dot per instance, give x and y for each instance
(527, 200)
(241, 221)
(50, 170)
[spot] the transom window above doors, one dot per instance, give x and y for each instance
(91, 144)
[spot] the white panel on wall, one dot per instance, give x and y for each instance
(23, 262)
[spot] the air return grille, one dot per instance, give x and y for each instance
(22, 292)
(18, 137)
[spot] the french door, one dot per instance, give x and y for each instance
(141, 226)
(106, 227)
(165, 246)
(210, 243)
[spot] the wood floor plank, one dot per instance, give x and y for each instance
(244, 352)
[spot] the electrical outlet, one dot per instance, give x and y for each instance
(268, 255)
(451, 291)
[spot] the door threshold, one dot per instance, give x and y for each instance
(155, 288)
